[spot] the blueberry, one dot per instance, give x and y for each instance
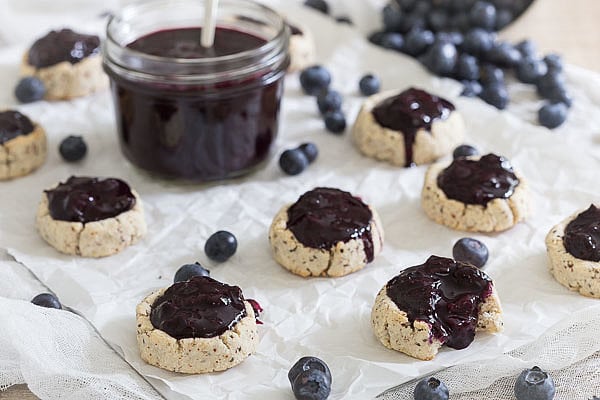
(369, 85)
(72, 148)
(335, 122)
(483, 15)
(315, 79)
(417, 41)
(490, 74)
(221, 245)
(464, 150)
(495, 94)
(470, 250)
(595, 398)
(471, 89)
(559, 94)
(344, 19)
(504, 54)
(527, 48)
(503, 18)
(431, 389)
(320, 5)
(554, 62)
(392, 18)
(306, 363)
(438, 19)
(188, 271)
(393, 41)
(461, 21)
(311, 384)
(328, 101)
(534, 384)
(456, 38)
(548, 84)
(407, 5)
(47, 300)
(293, 161)
(376, 37)
(477, 42)
(441, 58)
(552, 115)
(529, 70)
(467, 67)
(30, 89)
(310, 150)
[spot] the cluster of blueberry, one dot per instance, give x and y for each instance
(323, 6)
(456, 39)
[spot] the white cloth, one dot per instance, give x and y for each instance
(328, 318)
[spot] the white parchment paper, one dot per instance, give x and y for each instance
(328, 318)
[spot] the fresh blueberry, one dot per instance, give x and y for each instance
(559, 94)
(548, 84)
(461, 21)
(495, 94)
(456, 38)
(411, 21)
(477, 42)
(320, 5)
(554, 62)
(483, 15)
(422, 8)
(595, 398)
(503, 18)
(471, 89)
(306, 363)
(467, 67)
(344, 19)
(221, 245)
(441, 58)
(534, 384)
(417, 41)
(431, 389)
(315, 79)
(376, 37)
(310, 150)
(47, 300)
(470, 250)
(293, 161)
(311, 384)
(328, 101)
(491, 74)
(369, 85)
(552, 115)
(392, 18)
(504, 54)
(393, 41)
(188, 271)
(527, 48)
(72, 148)
(407, 5)
(529, 70)
(30, 89)
(464, 150)
(335, 122)
(438, 20)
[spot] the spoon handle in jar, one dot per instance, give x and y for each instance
(210, 23)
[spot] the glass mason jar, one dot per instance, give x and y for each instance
(190, 113)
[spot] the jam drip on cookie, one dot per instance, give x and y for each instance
(199, 308)
(478, 181)
(63, 45)
(444, 293)
(582, 235)
(410, 111)
(83, 199)
(13, 124)
(323, 217)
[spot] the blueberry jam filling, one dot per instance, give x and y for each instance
(444, 293)
(295, 30)
(410, 111)
(478, 181)
(257, 310)
(83, 199)
(582, 235)
(323, 217)
(13, 124)
(199, 308)
(63, 45)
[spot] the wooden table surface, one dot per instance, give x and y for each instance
(569, 28)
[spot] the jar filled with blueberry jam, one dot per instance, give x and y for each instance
(190, 112)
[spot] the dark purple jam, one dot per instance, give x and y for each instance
(582, 235)
(198, 133)
(295, 30)
(198, 308)
(323, 217)
(410, 111)
(478, 181)
(83, 199)
(257, 309)
(444, 293)
(13, 124)
(63, 45)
